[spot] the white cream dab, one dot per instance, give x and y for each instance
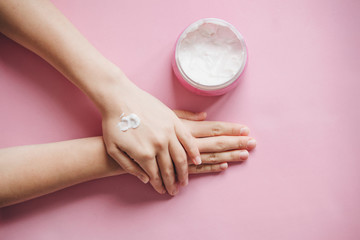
(210, 53)
(130, 121)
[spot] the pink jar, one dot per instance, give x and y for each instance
(209, 57)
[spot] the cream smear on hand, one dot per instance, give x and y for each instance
(130, 121)
(210, 53)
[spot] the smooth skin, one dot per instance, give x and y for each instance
(27, 172)
(156, 151)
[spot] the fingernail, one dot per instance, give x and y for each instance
(204, 114)
(144, 179)
(244, 155)
(251, 144)
(244, 131)
(175, 191)
(224, 166)
(197, 160)
(185, 183)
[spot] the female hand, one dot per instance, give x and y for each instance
(157, 146)
(218, 142)
(155, 149)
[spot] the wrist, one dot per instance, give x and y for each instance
(113, 169)
(111, 97)
(101, 164)
(106, 86)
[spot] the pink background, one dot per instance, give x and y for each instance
(299, 95)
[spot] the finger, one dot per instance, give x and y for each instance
(179, 158)
(229, 156)
(207, 168)
(225, 143)
(152, 169)
(167, 172)
(190, 115)
(128, 164)
(188, 142)
(212, 128)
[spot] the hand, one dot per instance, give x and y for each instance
(199, 128)
(218, 142)
(159, 145)
(156, 149)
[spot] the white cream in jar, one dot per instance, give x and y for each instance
(210, 56)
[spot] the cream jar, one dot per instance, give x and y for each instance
(210, 56)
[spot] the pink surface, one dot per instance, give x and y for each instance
(299, 95)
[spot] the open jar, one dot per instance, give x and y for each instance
(210, 56)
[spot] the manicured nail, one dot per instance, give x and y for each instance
(244, 154)
(224, 166)
(197, 160)
(251, 144)
(244, 131)
(144, 179)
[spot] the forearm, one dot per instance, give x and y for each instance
(43, 29)
(30, 171)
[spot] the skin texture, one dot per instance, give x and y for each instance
(27, 172)
(155, 151)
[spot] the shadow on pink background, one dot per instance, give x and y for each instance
(299, 96)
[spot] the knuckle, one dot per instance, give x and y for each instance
(241, 143)
(216, 129)
(220, 144)
(146, 156)
(212, 168)
(156, 178)
(160, 142)
(212, 157)
(182, 160)
(167, 174)
(183, 171)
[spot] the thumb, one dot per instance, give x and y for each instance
(190, 115)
